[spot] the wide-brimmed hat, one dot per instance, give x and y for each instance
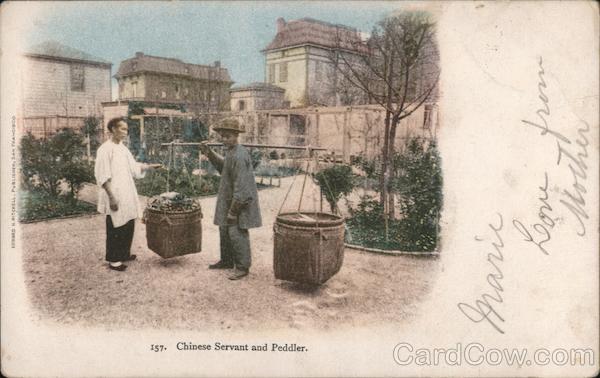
(231, 124)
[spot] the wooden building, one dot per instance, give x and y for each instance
(60, 87)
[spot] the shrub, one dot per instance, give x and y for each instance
(335, 181)
(370, 167)
(256, 156)
(366, 227)
(60, 158)
(419, 185)
(39, 205)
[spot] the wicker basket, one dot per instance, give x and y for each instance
(309, 247)
(172, 234)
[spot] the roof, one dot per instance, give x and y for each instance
(53, 49)
(257, 87)
(148, 63)
(310, 31)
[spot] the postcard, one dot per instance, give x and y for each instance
(289, 188)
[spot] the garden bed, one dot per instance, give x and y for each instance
(37, 206)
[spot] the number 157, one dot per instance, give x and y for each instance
(157, 348)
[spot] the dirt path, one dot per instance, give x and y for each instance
(69, 282)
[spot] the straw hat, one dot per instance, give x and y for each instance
(229, 124)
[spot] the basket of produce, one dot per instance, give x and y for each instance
(173, 225)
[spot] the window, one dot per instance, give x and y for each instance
(318, 71)
(241, 105)
(271, 73)
(77, 78)
(163, 94)
(134, 89)
(177, 93)
(283, 72)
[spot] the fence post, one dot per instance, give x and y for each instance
(346, 139)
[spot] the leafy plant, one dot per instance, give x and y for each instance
(256, 156)
(366, 227)
(335, 181)
(273, 155)
(39, 205)
(417, 182)
(47, 163)
(177, 203)
(370, 167)
(419, 185)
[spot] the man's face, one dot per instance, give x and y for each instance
(228, 137)
(120, 131)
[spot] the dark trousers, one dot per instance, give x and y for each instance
(118, 240)
(235, 247)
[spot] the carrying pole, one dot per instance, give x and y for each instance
(253, 145)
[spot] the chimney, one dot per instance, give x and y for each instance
(217, 63)
(139, 54)
(280, 24)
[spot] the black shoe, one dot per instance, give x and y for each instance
(220, 265)
(119, 268)
(131, 258)
(238, 274)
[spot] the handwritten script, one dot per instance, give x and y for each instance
(572, 154)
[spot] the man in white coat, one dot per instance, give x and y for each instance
(115, 170)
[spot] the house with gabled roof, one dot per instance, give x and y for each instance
(60, 87)
(299, 60)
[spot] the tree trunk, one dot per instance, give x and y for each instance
(384, 162)
(385, 166)
(392, 171)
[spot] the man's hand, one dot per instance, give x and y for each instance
(114, 204)
(232, 220)
(154, 166)
(204, 147)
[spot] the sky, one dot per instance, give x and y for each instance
(195, 32)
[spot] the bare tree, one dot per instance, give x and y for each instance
(396, 67)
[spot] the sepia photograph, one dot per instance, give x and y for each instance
(289, 188)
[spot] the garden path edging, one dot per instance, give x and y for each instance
(392, 252)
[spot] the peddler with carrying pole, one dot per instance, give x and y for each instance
(308, 246)
(174, 223)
